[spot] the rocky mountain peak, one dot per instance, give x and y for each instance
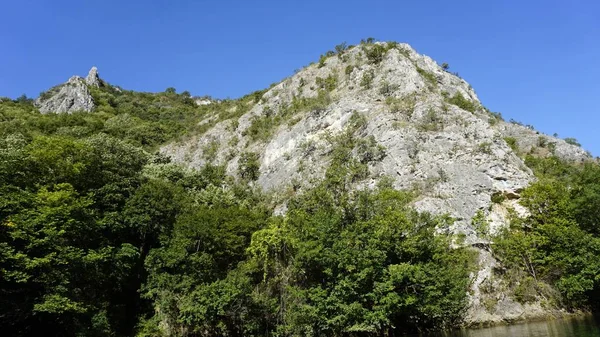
(93, 79)
(71, 96)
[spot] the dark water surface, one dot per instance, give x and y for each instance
(588, 326)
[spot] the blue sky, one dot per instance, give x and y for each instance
(535, 61)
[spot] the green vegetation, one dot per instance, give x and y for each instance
(485, 147)
(367, 79)
(329, 83)
(349, 69)
(460, 101)
(572, 141)
(249, 166)
(498, 198)
(264, 125)
(429, 77)
(405, 104)
(376, 52)
(431, 121)
(322, 60)
(512, 143)
(387, 89)
(552, 255)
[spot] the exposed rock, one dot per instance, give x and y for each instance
(203, 101)
(93, 79)
(66, 98)
(456, 158)
(529, 139)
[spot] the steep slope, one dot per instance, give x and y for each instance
(457, 157)
(420, 126)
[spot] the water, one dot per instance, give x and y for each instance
(575, 327)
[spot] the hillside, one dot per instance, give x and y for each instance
(370, 192)
(421, 126)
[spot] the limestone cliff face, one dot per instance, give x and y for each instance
(71, 96)
(437, 138)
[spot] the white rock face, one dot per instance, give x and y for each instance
(457, 159)
(203, 101)
(67, 98)
(93, 79)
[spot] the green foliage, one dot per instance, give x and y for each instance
(143, 119)
(387, 89)
(558, 244)
(512, 143)
(460, 101)
(572, 141)
(405, 104)
(429, 77)
(376, 52)
(480, 223)
(367, 79)
(485, 147)
(431, 121)
(249, 166)
(68, 259)
(322, 60)
(349, 69)
(341, 48)
(263, 126)
(329, 83)
(498, 198)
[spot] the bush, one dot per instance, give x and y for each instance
(349, 69)
(341, 48)
(485, 147)
(431, 121)
(388, 89)
(429, 77)
(404, 104)
(249, 166)
(329, 83)
(367, 79)
(322, 60)
(460, 101)
(572, 141)
(512, 143)
(498, 198)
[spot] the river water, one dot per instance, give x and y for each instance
(574, 327)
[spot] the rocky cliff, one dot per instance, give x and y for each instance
(74, 95)
(424, 128)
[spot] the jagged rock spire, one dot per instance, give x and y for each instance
(93, 79)
(74, 95)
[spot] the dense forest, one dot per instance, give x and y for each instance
(100, 235)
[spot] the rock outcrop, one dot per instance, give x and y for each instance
(437, 137)
(93, 79)
(71, 96)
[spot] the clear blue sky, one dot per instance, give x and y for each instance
(535, 61)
